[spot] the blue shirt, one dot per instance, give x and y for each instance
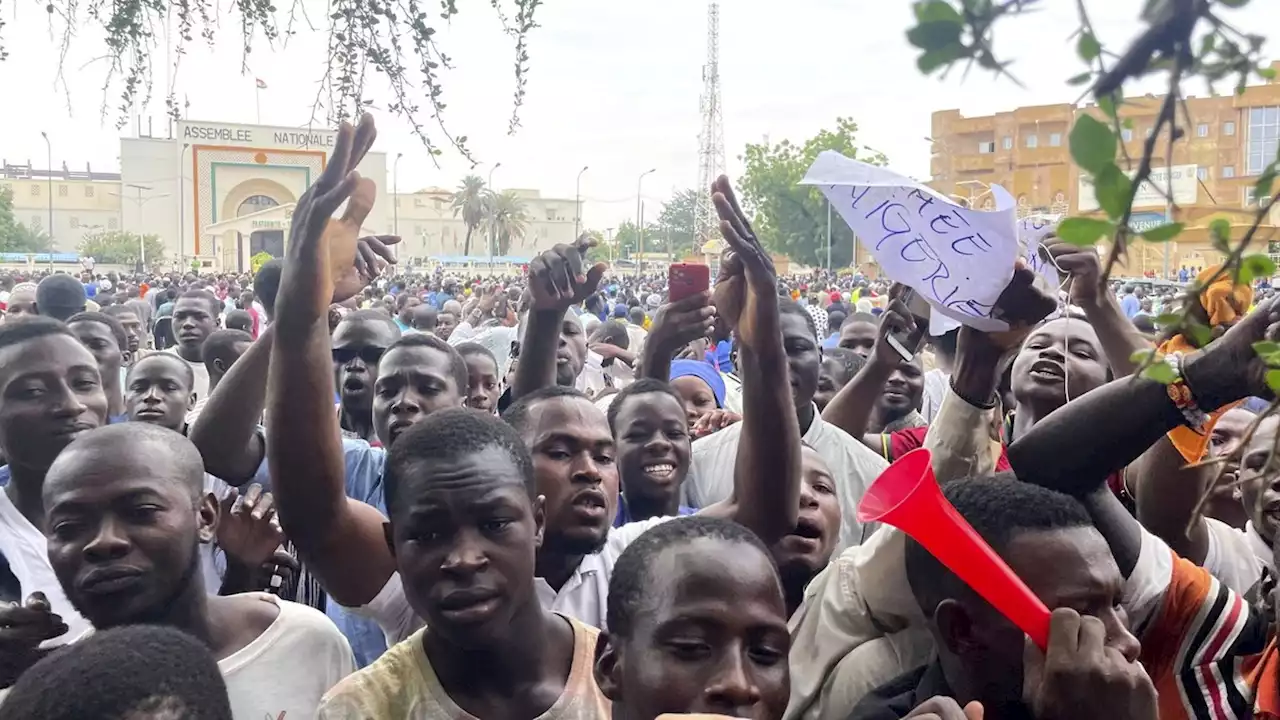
(623, 517)
(1130, 305)
(719, 356)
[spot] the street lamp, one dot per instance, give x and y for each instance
(493, 225)
(139, 201)
(49, 164)
(395, 200)
(577, 202)
(640, 223)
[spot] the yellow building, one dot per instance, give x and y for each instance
(1213, 170)
(428, 226)
(83, 201)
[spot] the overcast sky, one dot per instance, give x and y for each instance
(613, 85)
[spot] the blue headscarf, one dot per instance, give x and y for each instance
(703, 371)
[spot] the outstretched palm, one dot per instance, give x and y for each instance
(746, 291)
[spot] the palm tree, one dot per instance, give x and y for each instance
(508, 220)
(469, 199)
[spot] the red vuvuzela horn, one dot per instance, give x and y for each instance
(907, 496)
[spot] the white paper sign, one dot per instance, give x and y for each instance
(1031, 233)
(958, 259)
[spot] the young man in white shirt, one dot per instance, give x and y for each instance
(127, 512)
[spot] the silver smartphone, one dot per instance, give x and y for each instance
(906, 343)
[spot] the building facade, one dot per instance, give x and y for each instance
(1214, 166)
(428, 226)
(82, 201)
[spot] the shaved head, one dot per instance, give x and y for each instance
(123, 451)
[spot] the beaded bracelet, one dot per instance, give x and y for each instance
(1181, 395)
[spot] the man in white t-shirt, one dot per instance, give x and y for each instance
(195, 317)
(127, 511)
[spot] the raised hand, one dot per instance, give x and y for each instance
(325, 260)
(896, 320)
(22, 629)
(560, 276)
(247, 528)
(1081, 263)
(1080, 676)
(1229, 369)
(746, 293)
(679, 323)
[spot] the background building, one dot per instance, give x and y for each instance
(83, 201)
(428, 226)
(1213, 170)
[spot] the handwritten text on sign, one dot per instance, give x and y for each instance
(958, 259)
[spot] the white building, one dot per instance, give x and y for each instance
(220, 193)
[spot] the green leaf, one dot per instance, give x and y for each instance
(1112, 188)
(1233, 3)
(1167, 319)
(1273, 380)
(1267, 73)
(1265, 181)
(1107, 104)
(1207, 42)
(1080, 79)
(1084, 231)
(1087, 47)
(1139, 357)
(935, 35)
(1093, 145)
(933, 59)
(1220, 228)
(1200, 335)
(1266, 347)
(937, 11)
(1162, 233)
(1256, 266)
(1160, 372)
(1127, 123)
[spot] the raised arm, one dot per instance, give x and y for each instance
(558, 278)
(1167, 491)
(852, 408)
(1119, 421)
(341, 540)
(226, 433)
(675, 325)
(766, 473)
(1119, 338)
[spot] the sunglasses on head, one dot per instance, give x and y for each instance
(370, 354)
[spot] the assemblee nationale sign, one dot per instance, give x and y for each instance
(254, 136)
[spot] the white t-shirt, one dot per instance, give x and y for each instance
(1236, 557)
(583, 597)
(289, 667)
(201, 387)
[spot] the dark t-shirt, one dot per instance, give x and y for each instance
(898, 697)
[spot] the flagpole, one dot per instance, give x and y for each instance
(257, 99)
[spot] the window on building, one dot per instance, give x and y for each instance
(1032, 141)
(75, 222)
(1263, 137)
(1126, 134)
(1228, 171)
(36, 223)
(438, 203)
(88, 191)
(112, 224)
(417, 202)
(1229, 128)
(1007, 142)
(1202, 130)
(1251, 198)
(1202, 173)
(63, 190)
(1055, 139)
(35, 191)
(551, 214)
(986, 147)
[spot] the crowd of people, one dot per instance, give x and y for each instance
(334, 489)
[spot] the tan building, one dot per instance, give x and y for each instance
(426, 222)
(1213, 170)
(83, 201)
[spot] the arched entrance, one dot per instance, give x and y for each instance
(268, 241)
